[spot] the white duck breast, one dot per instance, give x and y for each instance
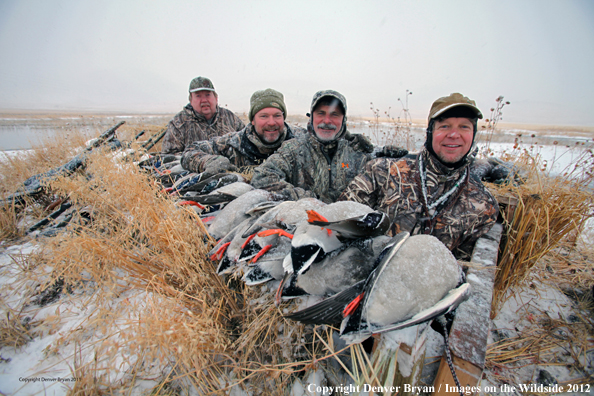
(308, 242)
(235, 212)
(420, 274)
(264, 271)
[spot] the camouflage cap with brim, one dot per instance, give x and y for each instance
(201, 84)
(328, 93)
(317, 98)
(446, 103)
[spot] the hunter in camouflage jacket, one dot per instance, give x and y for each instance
(303, 168)
(394, 187)
(188, 126)
(244, 148)
(312, 167)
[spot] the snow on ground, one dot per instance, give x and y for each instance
(68, 332)
(67, 336)
(522, 313)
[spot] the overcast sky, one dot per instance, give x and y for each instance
(139, 56)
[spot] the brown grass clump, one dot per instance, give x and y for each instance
(549, 210)
(548, 343)
(14, 330)
(180, 313)
(49, 154)
(138, 239)
(9, 220)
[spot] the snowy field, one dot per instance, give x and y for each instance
(47, 363)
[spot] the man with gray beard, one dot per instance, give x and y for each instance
(320, 163)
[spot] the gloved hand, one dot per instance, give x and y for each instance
(392, 151)
(359, 142)
(219, 164)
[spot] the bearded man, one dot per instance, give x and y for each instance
(249, 147)
(321, 162)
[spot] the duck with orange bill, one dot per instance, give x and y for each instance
(349, 250)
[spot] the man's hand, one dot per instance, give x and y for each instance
(219, 164)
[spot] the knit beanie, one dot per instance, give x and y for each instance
(267, 98)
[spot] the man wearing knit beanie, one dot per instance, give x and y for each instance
(321, 162)
(249, 147)
(201, 119)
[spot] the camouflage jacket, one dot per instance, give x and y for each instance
(394, 187)
(188, 126)
(243, 148)
(303, 167)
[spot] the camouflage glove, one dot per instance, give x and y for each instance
(219, 164)
(359, 142)
(392, 151)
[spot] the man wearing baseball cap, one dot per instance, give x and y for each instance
(249, 147)
(321, 162)
(433, 192)
(200, 119)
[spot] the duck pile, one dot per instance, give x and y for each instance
(338, 252)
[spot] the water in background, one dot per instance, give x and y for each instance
(22, 132)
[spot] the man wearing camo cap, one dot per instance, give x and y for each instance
(249, 147)
(321, 162)
(201, 119)
(434, 192)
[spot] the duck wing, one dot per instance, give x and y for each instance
(330, 310)
(447, 304)
(213, 199)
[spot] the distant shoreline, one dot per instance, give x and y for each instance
(7, 115)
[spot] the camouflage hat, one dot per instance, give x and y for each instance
(267, 98)
(446, 103)
(332, 95)
(201, 84)
(328, 93)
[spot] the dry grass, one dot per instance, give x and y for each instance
(141, 269)
(543, 340)
(549, 210)
(209, 335)
(551, 342)
(395, 131)
(14, 329)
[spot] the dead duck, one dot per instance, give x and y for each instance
(269, 239)
(345, 266)
(416, 280)
(267, 263)
(220, 196)
(286, 215)
(312, 244)
(236, 211)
